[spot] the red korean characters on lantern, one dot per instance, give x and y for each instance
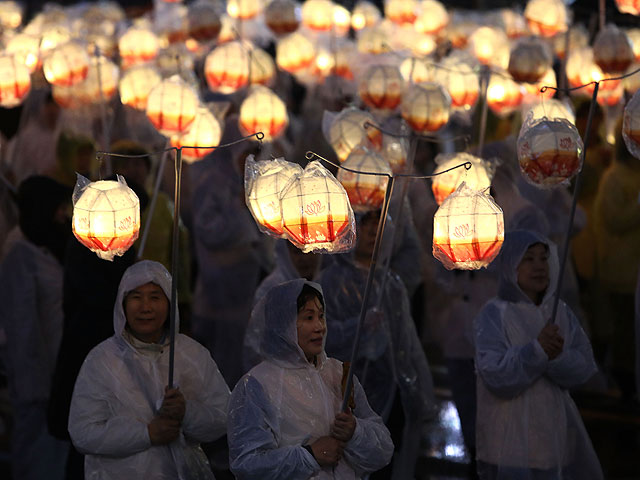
(426, 107)
(366, 192)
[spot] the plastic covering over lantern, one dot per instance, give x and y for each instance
(530, 59)
(263, 111)
(549, 152)
(366, 192)
(316, 212)
(227, 67)
(631, 125)
(629, 6)
(550, 109)
(264, 182)
(432, 18)
(66, 65)
(612, 50)
(381, 87)
(478, 177)
(136, 83)
(348, 129)
(504, 95)
(205, 131)
(106, 216)
(468, 230)
(15, 81)
(364, 15)
(546, 17)
(138, 45)
(460, 80)
(282, 16)
(172, 106)
(294, 53)
(426, 107)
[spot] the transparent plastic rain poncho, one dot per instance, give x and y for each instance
(120, 388)
(631, 125)
(527, 424)
(286, 402)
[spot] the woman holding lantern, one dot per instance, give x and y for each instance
(123, 418)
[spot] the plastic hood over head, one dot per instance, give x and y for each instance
(515, 246)
(276, 313)
(138, 274)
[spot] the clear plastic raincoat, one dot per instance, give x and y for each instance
(121, 386)
(286, 402)
(527, 425)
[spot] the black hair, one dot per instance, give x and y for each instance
(308, 293)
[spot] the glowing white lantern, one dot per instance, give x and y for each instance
(417, 70)
(227, 67)
(263, 111)
(172, 106)
(345, 57)
(136, 84)
(366, 192)
(395, 150)
(612, 50)
(10, 15)
(512, 22)
(205, 131)
(138, 45)
(365, 15)
(629, 6)
(15, 81)
(66, 65)
(282, 16)
(503, 94)
(546, 17)
(374, 40)
(631, 125)
(101, 82)
(316, 212)
(244, 9)
(631, 84)
(341, 18)
(106, 216)
(468, 230)
(26, 49)
(457, 75)
(318, 15)
(530, 59)
(553, 109)
(294, 53)
(53, 36)
(263, 68)
(418, 44)
(401, 11)
(348, 131)
(426, 107)
(549, 152)
(490, 46)
(478, 177)
(265, 181)
(432, 18)
(381, 87)
(204, 22)
(578, 38)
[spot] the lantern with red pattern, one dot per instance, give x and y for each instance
(348, 130)
(172, 106)
(66, 65)
(263, 111)
(294, 53)
(401, 11)
(15, 81)
(629, 6)
(426, 107)
(205, 131)
(136, 83)
(138, 45)
(612, 50)
(503, 94)
(546, 17)
(282, 16)
(530, 59)
(457, 75)
(478, 177)
(381, 87)
(227, 67)
(366, 192)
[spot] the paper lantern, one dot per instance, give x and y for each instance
(205, 131)
(138, 45)
(553, 109)
(478, 177)
(419, 44)
(381, 87)
(244, 9)
(365, 15)
(294, 53)
(532, 90)
(631, 84)
(101, 82)
(490, 46)
(66, 65)
(227, 67)
(374, 40)
(401, 11)
(432, 18)
(341, 20)
(426, 107)
(366, 192)
(549, 152)
(263, 68)
(347, 131)
(458, 77)
(345, 57)
(318, 15)
(204, 22)
(417, 70)
(512, 22)
(612, 50)
(172, 106)
(629, 6)
(264, 183)
(136, 83)
(395, 150)
(530, 59)
(316, 212)
(578, 38)
(263, 111)
(459, 30)
(10, 15)
(546, 17)
(26, 49)
(282, 16)
(468, 230)
(503, 94)
(633, 34)
(631, 125)
(52, 36)
(15, 81)
(106, 216)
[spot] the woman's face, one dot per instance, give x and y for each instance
(146, 308)
(311, 328)
(533, 272)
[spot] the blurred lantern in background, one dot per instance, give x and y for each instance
(341, 18)
(504, 95)
(316, 212)
(10, 15)
(612, 50)
(294, 53)
(458, 77)
(348, 130)
(468, 230)
(381, 87)
(629, 6)
(631, 125)
(432, 18)
(490, 46)
(226, 68)
(318, 15)
(282, 16)
(634, 37)
(26, 49)
(15, 81)
(264, 183)
(345, 57)
(546, 17)
(205, 131)
(66, 65)
(52, 36)
(366, 192)
(374, 40)
(263, 69)
(138, 45)
(478, 177)
(417, 70)
(263, 111)
(106, 216)
(172, 106)
(549, 152)
(512, 22)
(204, 22)
(611, 97)
(426, 107)
(401, 11)
(175, 60)
(395, 151)
(578, 38)
(530, 59)
(101, 83)
(364, 15)
(136, 84)
(632, 84)
(244, 9)
(532, 90)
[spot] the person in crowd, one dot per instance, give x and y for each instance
(527, 424)
(31, 317)
(285, 418)
(123, 417)
(75, 153)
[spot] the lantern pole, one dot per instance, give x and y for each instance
(152, 205)
(563, 62)
(106, 134)
(175, 255)
(485, 76)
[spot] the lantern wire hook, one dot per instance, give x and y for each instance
(566, 90)
(426, 138)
